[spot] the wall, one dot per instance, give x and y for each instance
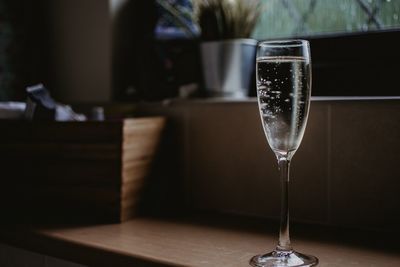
(103, 50)
(81, 50)
(345, 172)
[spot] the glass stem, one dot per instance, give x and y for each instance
(284, 238)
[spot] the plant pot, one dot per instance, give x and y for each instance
(228, 66)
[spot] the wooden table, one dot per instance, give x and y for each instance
(197, 241)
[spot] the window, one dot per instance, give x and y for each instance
(354, 43)
(172, 15)
(289, 18)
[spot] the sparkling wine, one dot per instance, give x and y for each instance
(283, 89)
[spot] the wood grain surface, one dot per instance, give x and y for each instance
(95, 168)
(193, 242)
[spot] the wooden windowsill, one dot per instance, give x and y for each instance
(195, 242)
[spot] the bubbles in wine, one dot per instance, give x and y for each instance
(283, 95)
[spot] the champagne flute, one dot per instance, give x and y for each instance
(283, 92)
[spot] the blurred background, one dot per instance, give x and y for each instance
(134, 50)
(143, 57)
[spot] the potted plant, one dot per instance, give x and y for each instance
(228, 54)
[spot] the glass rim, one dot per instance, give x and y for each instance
(283, 43)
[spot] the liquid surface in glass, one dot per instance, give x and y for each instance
(283, 84)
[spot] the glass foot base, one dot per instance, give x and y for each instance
(283, 259)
